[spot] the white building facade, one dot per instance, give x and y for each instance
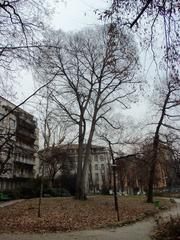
(18, 146)
(98, 169)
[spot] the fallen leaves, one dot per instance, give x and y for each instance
(67, 214)
(168, 230)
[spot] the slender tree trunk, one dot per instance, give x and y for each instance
(155, 151)
(41, 192)
(115, 193)
(114, 182)
(46, 145)
(153, 169)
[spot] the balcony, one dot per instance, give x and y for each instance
(29, 148)
(23, 175)
(25, 133)
(25, 162)
(26, 118)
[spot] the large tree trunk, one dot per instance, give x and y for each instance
(79, 164)
(86, 161)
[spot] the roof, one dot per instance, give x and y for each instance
(75, 146)
(126, 157)
(14, 105)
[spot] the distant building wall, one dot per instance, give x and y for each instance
(97, 172)
(24, 141)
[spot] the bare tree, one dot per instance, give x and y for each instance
(7, 139)
(121, 168)
(21, 26)
(167, 107)
(172, 163)
(113, 165)
(95, 71)
(6, 151)
(55, 162)
(156, 24)
(46, 144)
(151, 16)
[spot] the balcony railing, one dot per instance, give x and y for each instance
(30, 148)
(26, 133)
(25, 161)
(23, 175)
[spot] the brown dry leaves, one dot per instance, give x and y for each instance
(168, 230)
(67, 214)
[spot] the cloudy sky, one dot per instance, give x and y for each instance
(74, 15)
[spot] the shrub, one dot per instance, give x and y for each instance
(168, 230)
(60, 192)
(67, 182)
(105, 190)
(31, 188)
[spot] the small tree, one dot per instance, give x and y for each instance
(56, 162)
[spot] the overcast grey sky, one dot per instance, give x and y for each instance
(74, 15)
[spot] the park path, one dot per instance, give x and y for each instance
(137, 231)
(8, 203)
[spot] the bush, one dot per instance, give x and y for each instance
(59, 192)
(168, 230)
(31, 189)
(5, 196)
(67, 182)
(105, 190)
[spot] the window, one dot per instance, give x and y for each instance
(12, 123)
(95, 158)
(96, 166)
(97, 178)
(1, 131)
(101, 157)
(102, 166)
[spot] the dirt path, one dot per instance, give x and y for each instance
(8, 203)
(138, 231)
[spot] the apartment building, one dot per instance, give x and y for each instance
(18, 146)
(98, 168)
(133, 171)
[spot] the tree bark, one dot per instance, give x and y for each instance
(79, 191)
(152, 170)
(155, 150)
(86, 160)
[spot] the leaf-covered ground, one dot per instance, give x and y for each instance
(168, 230)
(67, 214)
